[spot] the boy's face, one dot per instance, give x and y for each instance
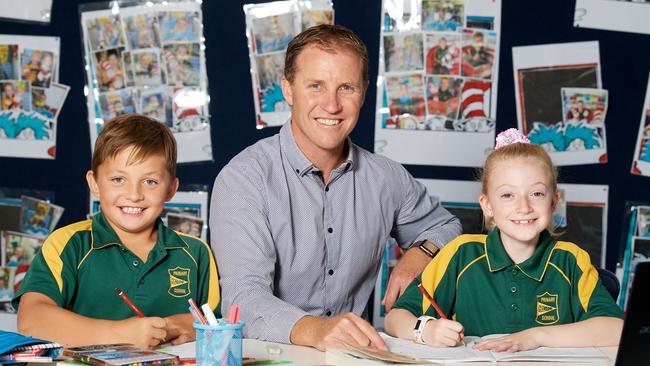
(132, 196)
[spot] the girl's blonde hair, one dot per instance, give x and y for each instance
(514, 151)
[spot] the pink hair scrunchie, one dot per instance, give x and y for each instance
(510, 136)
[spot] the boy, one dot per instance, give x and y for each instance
(69, 294)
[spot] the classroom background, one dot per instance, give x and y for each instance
(624, 57)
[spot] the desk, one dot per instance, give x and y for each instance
(305, 356)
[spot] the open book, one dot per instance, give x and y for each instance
(466, 352)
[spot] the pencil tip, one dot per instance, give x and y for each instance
(118, 290)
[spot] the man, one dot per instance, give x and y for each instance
(300, 219)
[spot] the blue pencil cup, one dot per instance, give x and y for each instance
(219, 345)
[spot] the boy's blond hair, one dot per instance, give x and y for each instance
(514, 151)
(146, 135)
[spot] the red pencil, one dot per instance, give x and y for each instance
(431, 300)
(129, 302)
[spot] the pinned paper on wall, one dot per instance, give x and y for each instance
(560, 101)
(31, 96)
(641, 159)
(149, 58)
(436, 89)
(269, 29)
(616, 15)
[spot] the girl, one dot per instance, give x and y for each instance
(517, 279)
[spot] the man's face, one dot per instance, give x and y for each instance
(326, 96)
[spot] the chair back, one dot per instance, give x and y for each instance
(610, 281)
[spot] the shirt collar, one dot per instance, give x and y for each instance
(104, 235)
(534, 267)
(297, 158)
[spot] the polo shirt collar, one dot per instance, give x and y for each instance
(534, 267)
(104, 235)
(297, 158)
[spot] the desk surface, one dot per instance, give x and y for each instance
(305, 356)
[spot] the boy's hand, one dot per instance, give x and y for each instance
(180, 329)
(520, 341)
(443, 333)
(141, 332)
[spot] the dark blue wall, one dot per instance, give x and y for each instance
(625, 62)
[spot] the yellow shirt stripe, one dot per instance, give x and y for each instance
(214, 291)
(56, 243)
(589, 278)
(435, 270)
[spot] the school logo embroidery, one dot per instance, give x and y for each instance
(179, 282)
(547, 312)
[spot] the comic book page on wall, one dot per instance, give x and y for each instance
(641, 159)
(269, 29)
(150, 59)
(31, 96)
(437, 82)
(560, 101)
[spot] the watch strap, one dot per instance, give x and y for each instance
(418, 330)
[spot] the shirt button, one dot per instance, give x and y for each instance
(135, 263)
(330, 272)
(328, 313)
(513, 289)
(330, 230)
(513, 271)
(297, 171)
(514, 307)
(327, 189)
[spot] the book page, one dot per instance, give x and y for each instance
(466, 352)
(460, 353)
(548, 354)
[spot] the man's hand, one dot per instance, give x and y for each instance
(335, 332)
(408, 267)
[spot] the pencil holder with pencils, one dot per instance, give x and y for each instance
(219, 345)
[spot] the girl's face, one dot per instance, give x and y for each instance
(520, 199)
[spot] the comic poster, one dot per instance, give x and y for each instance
(617, 15)
(641, 158)
(269, 29)
(546, 78)
(31, 97)
(636, 246)
(19, 248)
(150, 59)
(6, 284)
(190, 225)
(38, 217)
(436, 89)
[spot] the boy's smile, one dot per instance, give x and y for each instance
(132, 193)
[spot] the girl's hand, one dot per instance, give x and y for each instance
(443, 333)
(521, 341)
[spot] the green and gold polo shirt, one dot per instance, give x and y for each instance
(80, 266)
(474, 281)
